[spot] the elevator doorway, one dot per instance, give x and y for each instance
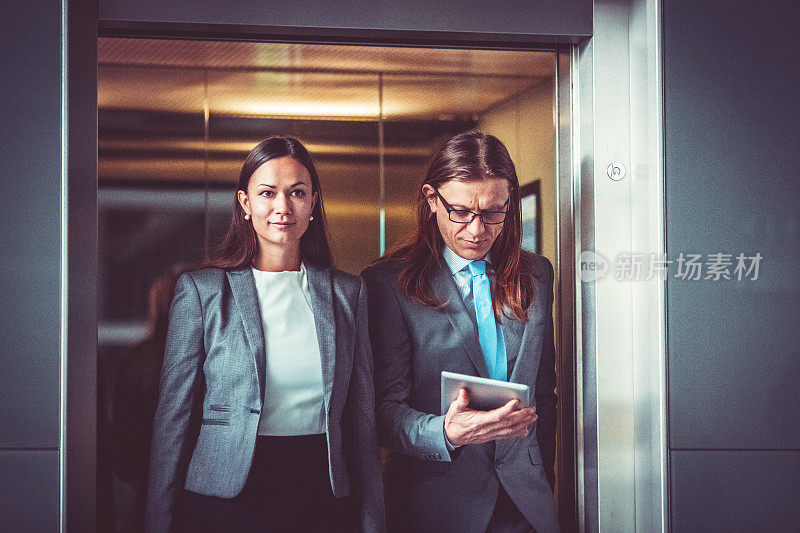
(175, 121)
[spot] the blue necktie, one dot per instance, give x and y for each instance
(490, 335)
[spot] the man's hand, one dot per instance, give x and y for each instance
(463, 425)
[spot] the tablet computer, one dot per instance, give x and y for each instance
(484, 394)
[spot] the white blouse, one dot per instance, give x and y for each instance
(293, 389)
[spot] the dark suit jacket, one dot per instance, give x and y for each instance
(212, 389)
(429, 489)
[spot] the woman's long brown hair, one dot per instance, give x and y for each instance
(468, 156)
(240, 244)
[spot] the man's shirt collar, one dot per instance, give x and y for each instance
(457, 263)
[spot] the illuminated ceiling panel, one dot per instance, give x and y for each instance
(388, 59)
(296, 94)
(447, 97)
(299, 80)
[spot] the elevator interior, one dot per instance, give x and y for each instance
(176, 119)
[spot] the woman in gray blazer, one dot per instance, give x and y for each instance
(265, 420)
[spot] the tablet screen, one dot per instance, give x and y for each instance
(485, 394)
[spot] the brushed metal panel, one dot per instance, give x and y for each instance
(731, 117)
(733, 490)
(527, 18)
(30, 329)
(30, 490)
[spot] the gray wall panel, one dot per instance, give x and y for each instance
(30, 216)
(730, 491)
(531, 17)
(29, 488)
(732, 112)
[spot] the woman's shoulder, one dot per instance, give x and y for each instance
(209, 277)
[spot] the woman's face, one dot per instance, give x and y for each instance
(280, 202)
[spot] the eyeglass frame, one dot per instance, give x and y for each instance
(450, 209)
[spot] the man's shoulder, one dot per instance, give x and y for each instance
(383, 277)
(537, 265)
(385, 266)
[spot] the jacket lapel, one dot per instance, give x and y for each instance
(530, 334)
(464, 323)
(321, 288)
(523, 333)
(243, 287)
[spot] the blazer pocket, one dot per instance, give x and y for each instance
(222, 408)
(215, 422)
(535, 455)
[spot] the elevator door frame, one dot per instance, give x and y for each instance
(617, 122)
(617, 480)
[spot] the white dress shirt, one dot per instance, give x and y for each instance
(293, 388)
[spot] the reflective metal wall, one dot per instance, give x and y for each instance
(176, 120)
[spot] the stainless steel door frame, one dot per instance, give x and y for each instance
(616, 123)
(567, 470)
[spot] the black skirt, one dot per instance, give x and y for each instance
(288, 489)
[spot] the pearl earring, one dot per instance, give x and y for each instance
(247, 217)
(311, 217)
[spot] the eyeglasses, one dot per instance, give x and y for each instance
(465, 216)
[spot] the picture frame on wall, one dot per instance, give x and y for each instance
(531, 215)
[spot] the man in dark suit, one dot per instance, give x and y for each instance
(463, 297)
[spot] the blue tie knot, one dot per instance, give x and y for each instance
(477, 268)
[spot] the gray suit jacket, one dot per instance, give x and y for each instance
(428, 488)
(212, 390)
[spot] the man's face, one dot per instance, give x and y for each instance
(472, 240)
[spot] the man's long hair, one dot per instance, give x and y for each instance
(468, 156)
